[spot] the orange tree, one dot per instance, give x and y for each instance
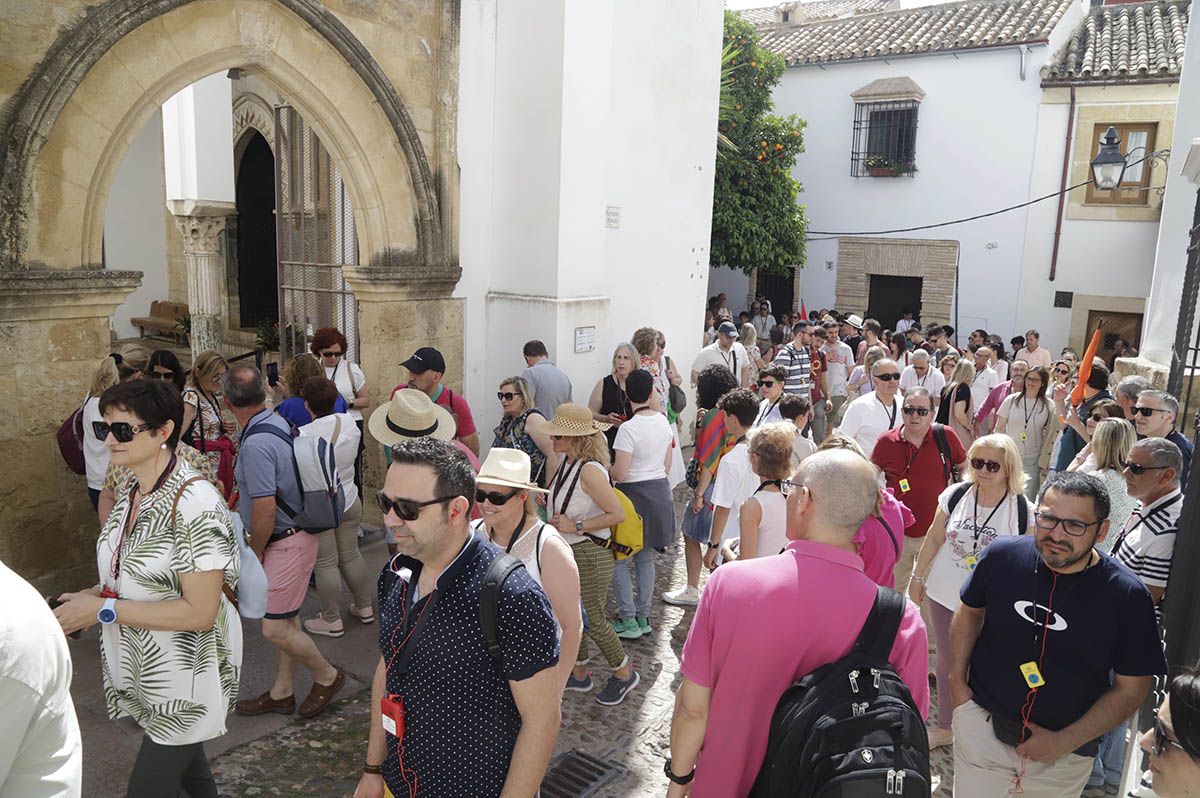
(757, 221)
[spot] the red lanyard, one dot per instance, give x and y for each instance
(131, 520)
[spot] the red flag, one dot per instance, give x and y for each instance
(803, 311)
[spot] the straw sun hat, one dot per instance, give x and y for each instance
(411, 414)
(508, 468)
(574, 421)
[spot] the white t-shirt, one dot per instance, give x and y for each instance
(867, 417)
(735, 359)
(647, 437)
(772, 528)
(41, 754)
(963, 540)
(1001, 369)
(95, 453)
(349, 379)
(982, 385)
(345, 448)
(763, 325)
(735, 483)
(933, 381)
(838, 362)
(904, 325)
(768, 412)
(802, 447)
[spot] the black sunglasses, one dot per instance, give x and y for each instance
(1097, 417)
(406, 509)
(766, 383)
(162, 375)
(1148, 411)
(920, 411)
(1138, 470)
(1162, 741)
(123, 431)
(497, 498)
(506, 396)
(332, 354)
(1071, 526)
(891, 375)
(979, 464)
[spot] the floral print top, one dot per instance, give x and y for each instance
(178, 686)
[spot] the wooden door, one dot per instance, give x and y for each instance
(1114, 326)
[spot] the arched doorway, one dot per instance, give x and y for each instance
(258, 284)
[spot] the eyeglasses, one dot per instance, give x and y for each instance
(506, 396)
(332, 354)
(406, 509)
(909, 410)
(1162, 741)
(767, 383)
(1148, 411)
(1097, 417)
(497, 498)
(121, 430)
(1138, 470)
(1070, 525)
(1062, 372)
(979, 464)
(891, 375)
(162, 375)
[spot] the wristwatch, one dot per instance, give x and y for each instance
(579, 527)
(712, 545)
(677, 779)
(108, 612)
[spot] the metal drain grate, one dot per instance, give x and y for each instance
(575, 774)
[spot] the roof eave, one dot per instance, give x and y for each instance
(947, 51)
(1063, 83)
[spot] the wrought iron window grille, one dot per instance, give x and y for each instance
(884, 139)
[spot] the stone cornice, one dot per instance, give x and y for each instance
(74, 294)
(381, 283)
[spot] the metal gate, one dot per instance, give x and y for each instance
(315, 231)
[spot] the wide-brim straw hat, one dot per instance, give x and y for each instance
(855, 321)
(508, 468)
(411, 414)
(574, 420)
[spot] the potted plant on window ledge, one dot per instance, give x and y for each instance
(878, 166)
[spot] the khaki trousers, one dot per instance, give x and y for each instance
(985, 767)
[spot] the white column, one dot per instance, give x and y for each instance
(198, 164)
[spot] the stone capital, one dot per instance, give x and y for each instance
(396, 282)
(73, 294)
(200, 223)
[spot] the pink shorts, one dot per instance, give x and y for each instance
(288, 564)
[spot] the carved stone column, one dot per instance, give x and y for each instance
(200, 224)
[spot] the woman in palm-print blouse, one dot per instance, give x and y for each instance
(171, 642)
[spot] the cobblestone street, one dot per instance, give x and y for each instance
(322, 757)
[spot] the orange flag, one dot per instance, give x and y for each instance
(1085, 368)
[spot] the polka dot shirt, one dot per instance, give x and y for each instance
(461, 721)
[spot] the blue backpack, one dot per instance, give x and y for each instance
(322, 498)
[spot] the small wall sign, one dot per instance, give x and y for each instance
(585, 339)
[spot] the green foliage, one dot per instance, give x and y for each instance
(757, 221)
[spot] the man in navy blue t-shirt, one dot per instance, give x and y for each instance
(1054, 645)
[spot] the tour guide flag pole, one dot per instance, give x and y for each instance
(1085, 368)
(803, 311)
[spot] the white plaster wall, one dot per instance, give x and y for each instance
(562, 114)
(976, 136)
(192, 121)
(1162, 312)
(134, 233)
(1102, 258)
(734, 283)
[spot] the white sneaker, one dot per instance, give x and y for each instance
(686, 596)
(939, 737)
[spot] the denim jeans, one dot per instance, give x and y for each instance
(622, 584)
(1110, 759)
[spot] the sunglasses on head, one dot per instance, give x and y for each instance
(891, 375)
(1138, 470)
(406, 509)
(766, 383)
(496, 498)
(506, 396)
(979, 464)
(1162, 740)
(332, 354)
(909, 410)
(123, 431)
(1148, 411)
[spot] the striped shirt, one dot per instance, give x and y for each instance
(1147, 542)
(797, 361)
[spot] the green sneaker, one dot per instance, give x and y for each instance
(627, 628)
(644, 625)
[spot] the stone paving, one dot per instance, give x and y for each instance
(322, 757)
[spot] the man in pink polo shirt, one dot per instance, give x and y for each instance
(762, 624)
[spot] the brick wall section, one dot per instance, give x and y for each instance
(933, 261)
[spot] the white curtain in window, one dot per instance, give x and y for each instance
(1136, 144)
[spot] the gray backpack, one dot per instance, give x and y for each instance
(322, 498)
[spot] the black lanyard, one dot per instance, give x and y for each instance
(776, 482)
(892, 413)
(1025, 409)
(516, 533)
(733, 354)
(764, 413)
(1162, 508)
(986, 521)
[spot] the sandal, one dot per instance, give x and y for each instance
(264, 704)
(320, 696)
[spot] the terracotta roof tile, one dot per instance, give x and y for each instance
(928, 29)
(1124, 42)
(813, 10)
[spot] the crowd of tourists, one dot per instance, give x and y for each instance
(1020, 510)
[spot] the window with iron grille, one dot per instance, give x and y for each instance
(885, 139)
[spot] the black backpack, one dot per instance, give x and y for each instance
(1022, 506)
(850, 729)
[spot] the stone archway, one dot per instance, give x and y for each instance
(251, 113)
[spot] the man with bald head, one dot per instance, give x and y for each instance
(765, 622)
